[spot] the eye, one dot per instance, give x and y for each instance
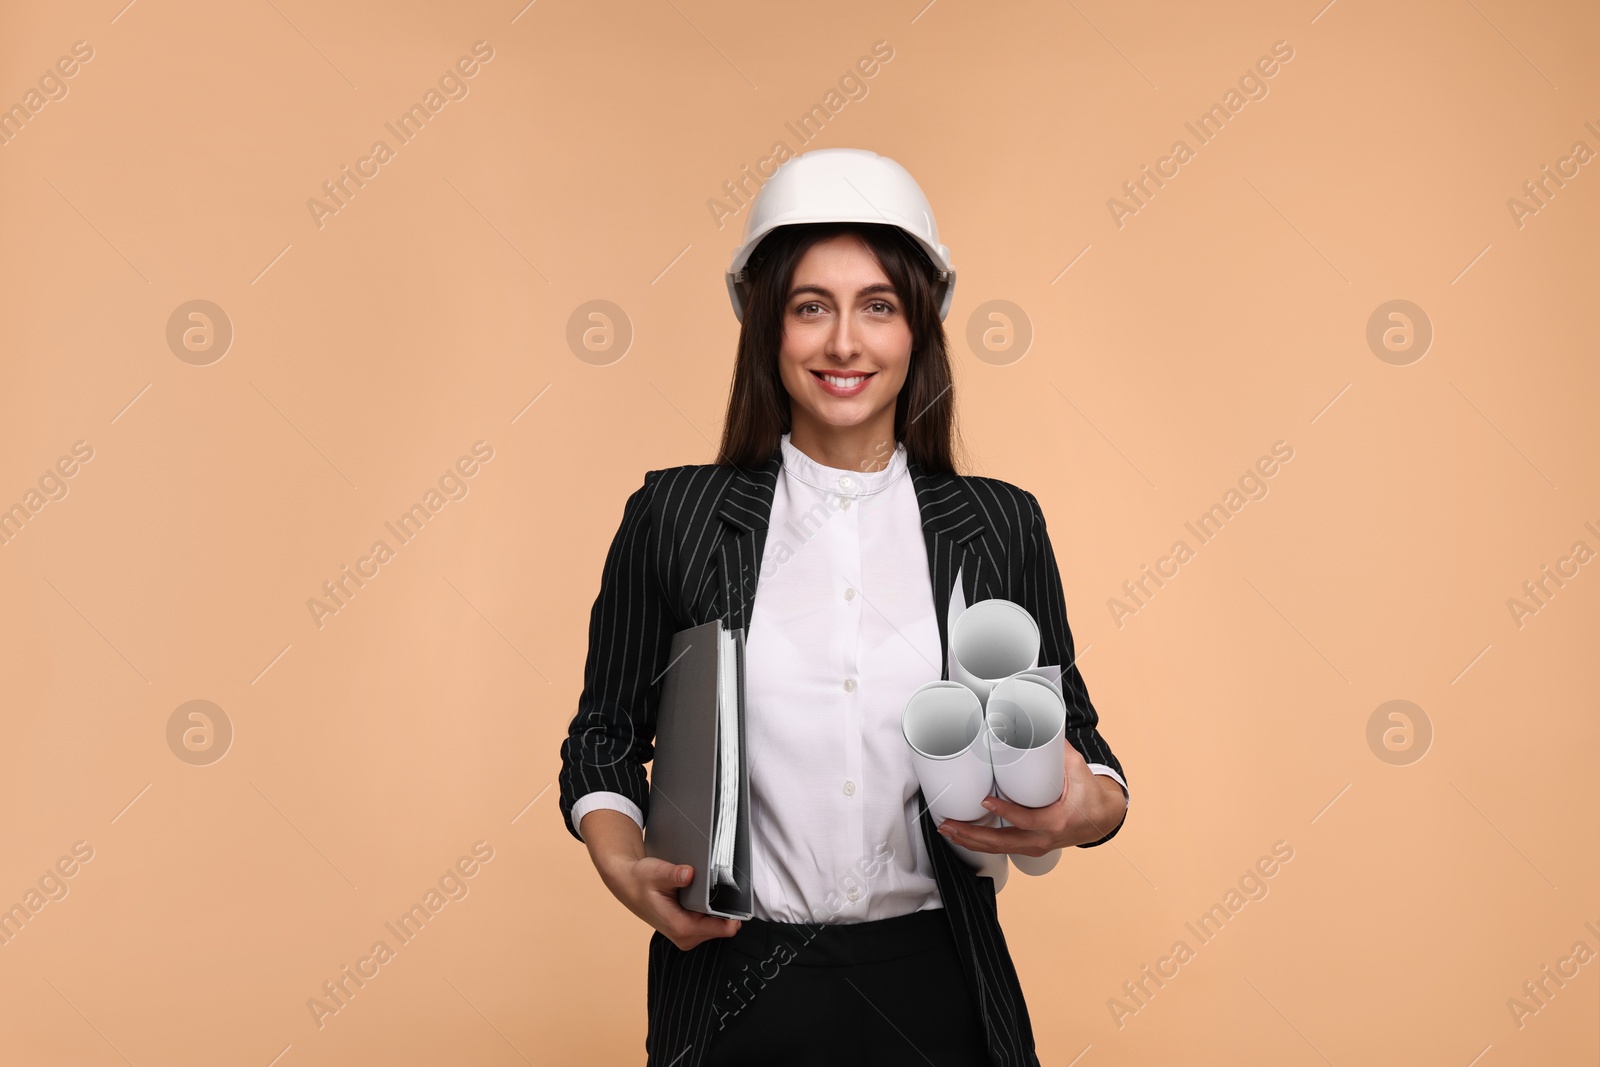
(803, 309)
(886, 307)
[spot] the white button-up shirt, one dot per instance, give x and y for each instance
(841, 631)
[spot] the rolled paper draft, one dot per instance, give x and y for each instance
(943, 723)
(985, 864)
(1026, 730)
(991, 640)
(1037, 865)
(1031, 865)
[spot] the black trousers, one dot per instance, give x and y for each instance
(890, 991)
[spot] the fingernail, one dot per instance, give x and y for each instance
(989, 803)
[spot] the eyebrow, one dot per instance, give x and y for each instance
(871, 290)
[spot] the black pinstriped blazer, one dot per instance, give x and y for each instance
(689, 550)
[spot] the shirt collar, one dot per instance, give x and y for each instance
(838, 481)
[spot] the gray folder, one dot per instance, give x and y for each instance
(702, 698)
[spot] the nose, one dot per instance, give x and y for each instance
(844, 340)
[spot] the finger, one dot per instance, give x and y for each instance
(1014, 813)
(987, 838)
(664, 876)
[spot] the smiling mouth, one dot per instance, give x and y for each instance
(843, 381)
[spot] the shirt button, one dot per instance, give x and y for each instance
(844, 505)
(849, 789)
(853, 893)
(849, 594)
(849, 685)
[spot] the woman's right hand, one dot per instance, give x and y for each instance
(647, 886)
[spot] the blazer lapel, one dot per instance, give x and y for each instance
(745, 508)
(950, 529)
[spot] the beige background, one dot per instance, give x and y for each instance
(1230, 312)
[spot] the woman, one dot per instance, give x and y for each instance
(835, 530)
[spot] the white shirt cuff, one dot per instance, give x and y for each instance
(609, 801)
(1098, 768)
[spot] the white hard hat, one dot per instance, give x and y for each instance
(841, 185)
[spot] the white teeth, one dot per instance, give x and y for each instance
(844, 383)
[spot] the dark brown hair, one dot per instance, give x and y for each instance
(758, 403)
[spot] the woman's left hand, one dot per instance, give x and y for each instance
(1090, 807)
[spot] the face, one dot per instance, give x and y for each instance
(844, 320)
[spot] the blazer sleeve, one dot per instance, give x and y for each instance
(1042, 595)
(611, 737)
